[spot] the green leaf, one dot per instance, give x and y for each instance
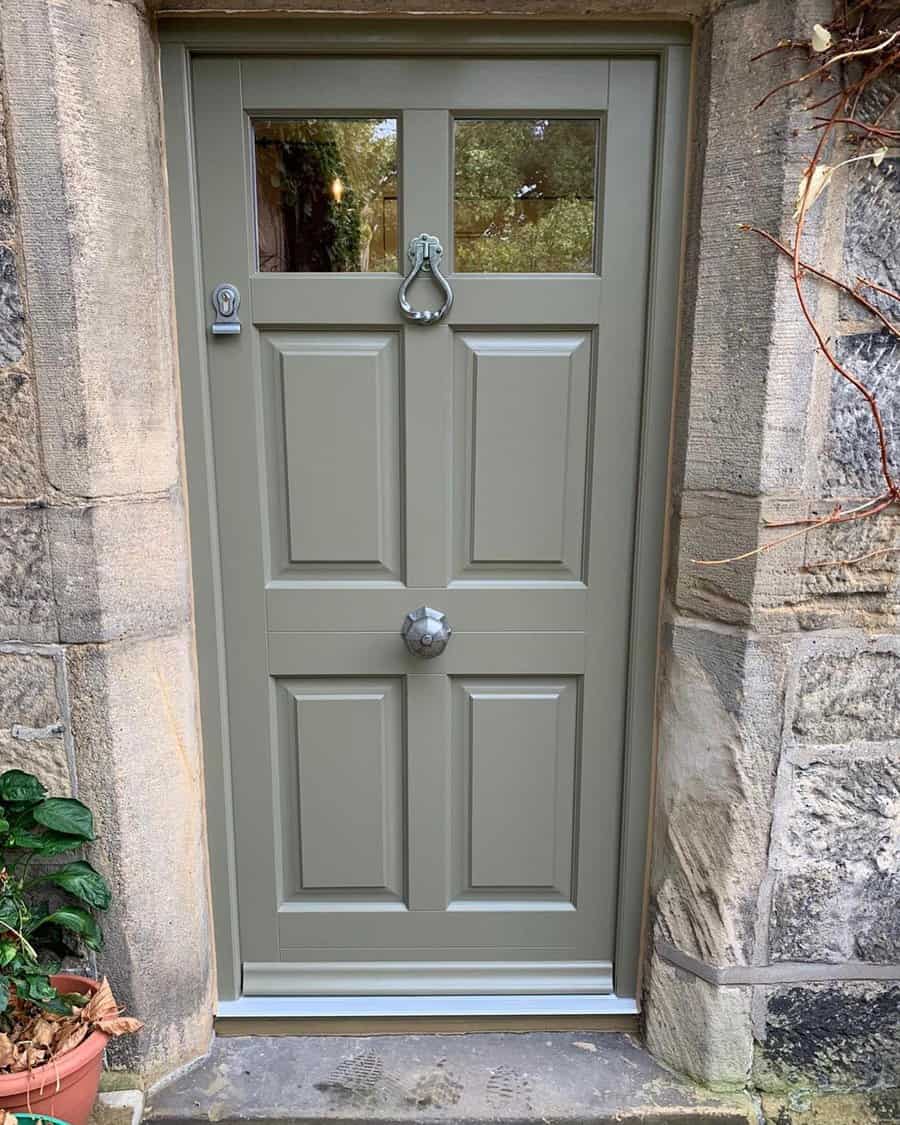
(8, 951)
(4, 824)
(81, 880)
(4, 994)
(66, 815)
(9, 913)
(44, 843)
(78, 921)
(20, 788)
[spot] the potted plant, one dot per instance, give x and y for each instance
(54, 1026)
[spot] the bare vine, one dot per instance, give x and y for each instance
(847, 56)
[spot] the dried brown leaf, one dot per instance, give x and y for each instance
(101, 1006)
(6, 1056)
(120, 1025)
(71, 1036)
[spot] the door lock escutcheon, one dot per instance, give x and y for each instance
(226, 300)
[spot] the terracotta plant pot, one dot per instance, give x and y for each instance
(67, 1088)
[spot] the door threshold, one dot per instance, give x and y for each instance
(385, 1015)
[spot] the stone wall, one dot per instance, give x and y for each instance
(776, 874)
(774, 943)
(97, 691)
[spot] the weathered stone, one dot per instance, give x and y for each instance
(870, 237)
(135, 730)
(12, 312)
(717, 527)
(28, 690)
(719, 739)
(802, 1108)
(120, 569)
(20, 463)
(864, 592)
(837, 892)
(85, 130)
(46, 758)
(749, 357)
(698, 1028)
(843, 1036)
(7, 204)
(27, 609)
(852, 453)
(846, 695)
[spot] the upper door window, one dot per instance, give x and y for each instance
(326, 195)
(525, 195)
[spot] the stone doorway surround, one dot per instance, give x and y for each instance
(772, 940)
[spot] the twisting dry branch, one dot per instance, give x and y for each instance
(857, 48)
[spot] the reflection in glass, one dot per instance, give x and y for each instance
(524, 195)
(326, 195)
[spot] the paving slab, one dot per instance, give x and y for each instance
(555, 1077)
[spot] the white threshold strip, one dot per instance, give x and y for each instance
(272, 1007)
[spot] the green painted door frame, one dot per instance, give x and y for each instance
(588, 646)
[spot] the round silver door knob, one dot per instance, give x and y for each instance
(426, 632)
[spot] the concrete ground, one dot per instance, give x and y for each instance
(497, 1077)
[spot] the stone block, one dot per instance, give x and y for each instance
(120, 569)
(837, 888)
(878, 1107)
(851, 464)
(20, 464)
(846, 689)
(12, 310)
(7, 203)
(28, 689)
(27, 608)
(46, 758)
(83, 90)
(870, 236)
(136, 735)
(841, 1035)
(698, 1028)
(719, 743)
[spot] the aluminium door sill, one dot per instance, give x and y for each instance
(411, 1007)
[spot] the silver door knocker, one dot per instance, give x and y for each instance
(425, 253)
(226, 300)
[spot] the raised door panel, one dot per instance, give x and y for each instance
(342, 781)
(515, 768)
(333, 412)
(521, 420)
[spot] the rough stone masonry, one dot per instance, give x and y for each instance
(774, 956)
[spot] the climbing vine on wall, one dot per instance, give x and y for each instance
(846, 60)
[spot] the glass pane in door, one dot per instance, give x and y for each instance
(326, 195)
(524, 195)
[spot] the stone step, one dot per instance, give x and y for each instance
(502, 1077)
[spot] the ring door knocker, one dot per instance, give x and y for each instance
(425, 253)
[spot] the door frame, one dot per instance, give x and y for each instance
(670, 45)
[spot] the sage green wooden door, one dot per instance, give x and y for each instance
(452, 825)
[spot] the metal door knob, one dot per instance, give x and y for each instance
(425, 253)
(426, 632)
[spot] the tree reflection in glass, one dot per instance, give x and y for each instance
(326, 195)
(524, 195)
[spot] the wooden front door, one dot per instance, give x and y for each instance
(415, 824)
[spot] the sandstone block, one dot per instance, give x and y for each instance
(27, 609)
(846, 690)
(719, 742)
(136, 736)
(698, 1028)
(120, 569)
(12, 311)
(20, 466)
(837, 890)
